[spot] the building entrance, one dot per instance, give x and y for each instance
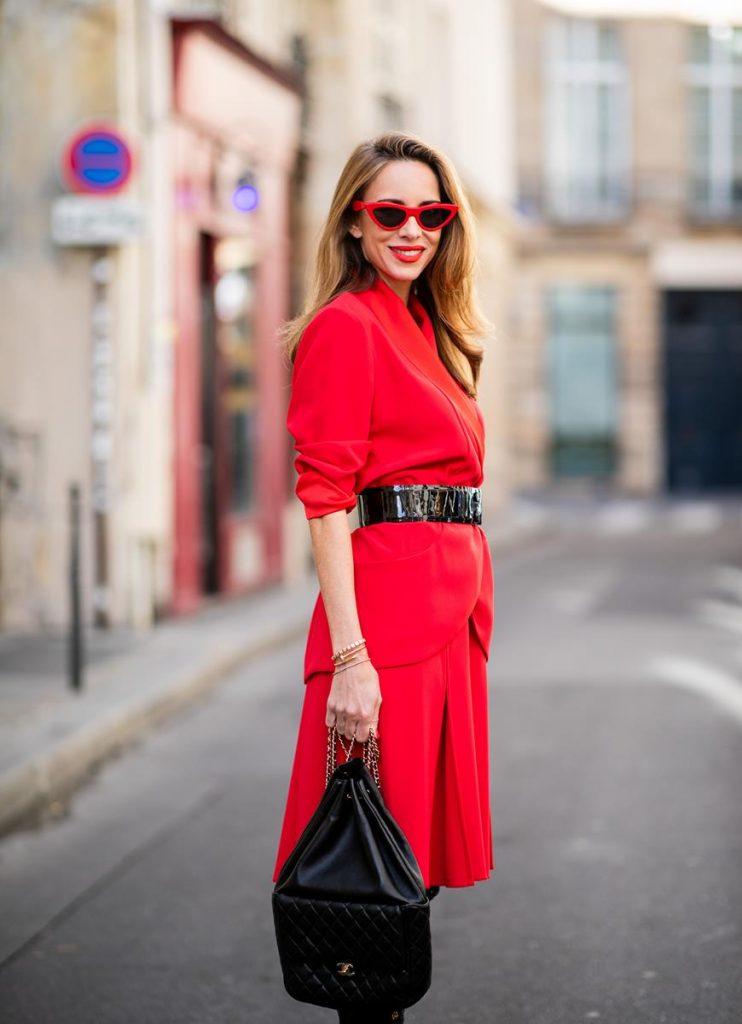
(703, 390)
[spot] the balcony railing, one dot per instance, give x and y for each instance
(715, 200)
(576, 200)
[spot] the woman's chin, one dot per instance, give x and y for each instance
(402, 272)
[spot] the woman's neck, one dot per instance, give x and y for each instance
(400, 288)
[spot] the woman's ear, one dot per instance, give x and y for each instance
(355, 231)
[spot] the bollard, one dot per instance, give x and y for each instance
(75, 649)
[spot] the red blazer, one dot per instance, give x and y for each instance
(373, 404)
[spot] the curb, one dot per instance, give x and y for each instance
(55, 774)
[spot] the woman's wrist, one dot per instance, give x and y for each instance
(342, 654)
(345, 633)
(350, 664)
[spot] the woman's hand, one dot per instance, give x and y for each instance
(354, 701)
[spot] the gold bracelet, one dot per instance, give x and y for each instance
(349, 647)
(348, 657)
(339, 670)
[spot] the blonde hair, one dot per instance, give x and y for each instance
(446, 285)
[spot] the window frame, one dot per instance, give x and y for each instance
(565, 75)
(721, 78)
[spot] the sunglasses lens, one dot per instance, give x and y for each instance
(434, 217)
(389, 216)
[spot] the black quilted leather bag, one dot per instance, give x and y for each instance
(351, 913)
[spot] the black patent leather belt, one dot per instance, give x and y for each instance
(413, 503)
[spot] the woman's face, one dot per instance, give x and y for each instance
(399, 256)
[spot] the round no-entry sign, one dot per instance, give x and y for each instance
(97, 159)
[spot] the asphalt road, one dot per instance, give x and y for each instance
(616, 748)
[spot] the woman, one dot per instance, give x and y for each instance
(383, 394)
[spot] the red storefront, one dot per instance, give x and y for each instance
(235, 138)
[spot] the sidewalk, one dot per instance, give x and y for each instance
(51, 738)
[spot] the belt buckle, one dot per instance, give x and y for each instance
(433, 505)
(441, 504)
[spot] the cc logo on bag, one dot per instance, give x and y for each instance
(346, 969)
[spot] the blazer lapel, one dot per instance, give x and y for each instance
(412, 331)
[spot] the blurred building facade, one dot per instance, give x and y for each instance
(627, 316)
(145, 371)
(142, 371)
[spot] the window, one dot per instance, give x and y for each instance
(587, 118)
(582, 378)
(715, 99)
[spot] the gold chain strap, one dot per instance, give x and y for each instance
(371, 754)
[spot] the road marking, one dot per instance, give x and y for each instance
(728, 578)
(720, 613)
(706, 680)
(624, 517)
(580, 599)
(695, 517)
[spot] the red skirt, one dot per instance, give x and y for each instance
(434, 760)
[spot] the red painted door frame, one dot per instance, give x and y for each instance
(203, 53)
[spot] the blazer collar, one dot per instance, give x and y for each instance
(412, 331)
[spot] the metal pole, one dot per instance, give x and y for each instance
(76, 651)
(102, 430)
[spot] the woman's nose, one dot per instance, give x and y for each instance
(411, 229)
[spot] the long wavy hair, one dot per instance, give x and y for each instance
(445, 287)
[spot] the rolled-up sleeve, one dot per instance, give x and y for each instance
(329, 414)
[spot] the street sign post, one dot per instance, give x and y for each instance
(97, 164)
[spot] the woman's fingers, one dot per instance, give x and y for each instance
(354, 702)
(350, 727)
(364, 731)
(346, 726)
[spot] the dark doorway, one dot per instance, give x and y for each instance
(209, 425)
(703, 390)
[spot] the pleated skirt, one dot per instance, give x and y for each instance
(434, 761)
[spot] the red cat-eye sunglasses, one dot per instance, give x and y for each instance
(391, 216)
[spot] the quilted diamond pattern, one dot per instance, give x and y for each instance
(388, 946)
